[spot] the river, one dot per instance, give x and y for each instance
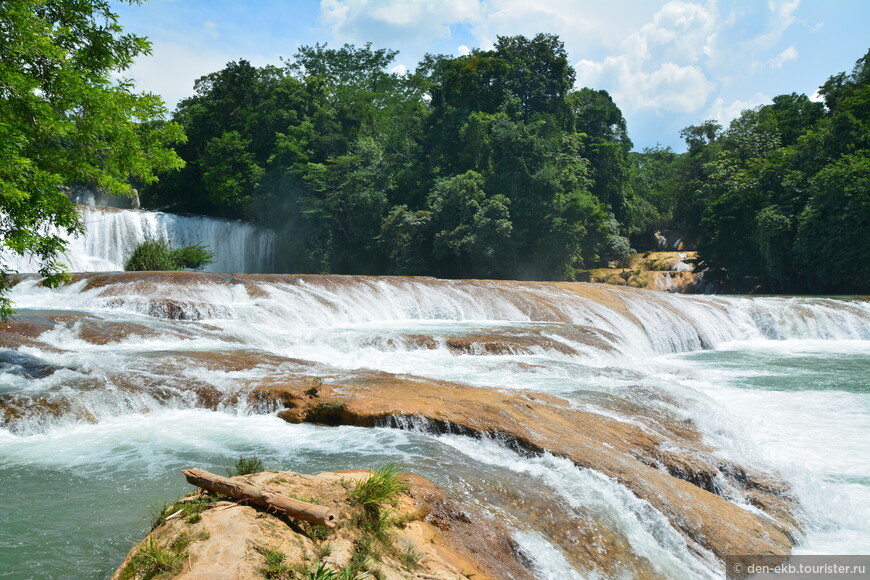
(98, 382)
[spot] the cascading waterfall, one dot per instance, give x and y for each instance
(112, 234)
(111, 386)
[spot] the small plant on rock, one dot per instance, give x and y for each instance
(314, 391)
(276, 564)
(381, 488)
(246, 465)
(410, 558)
(153, 561)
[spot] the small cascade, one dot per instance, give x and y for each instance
(112, 234)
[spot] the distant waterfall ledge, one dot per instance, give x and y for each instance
(112, 234)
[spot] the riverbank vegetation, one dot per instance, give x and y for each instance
(493, 164)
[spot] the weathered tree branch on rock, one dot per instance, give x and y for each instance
(263, 497)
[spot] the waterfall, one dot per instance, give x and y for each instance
(106, 378)
(112, 234)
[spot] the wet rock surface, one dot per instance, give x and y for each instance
(674, 473)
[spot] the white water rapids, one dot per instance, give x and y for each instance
(778, 384)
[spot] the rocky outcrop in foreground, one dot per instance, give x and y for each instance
(419, 532)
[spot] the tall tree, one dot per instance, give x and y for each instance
(63, 119)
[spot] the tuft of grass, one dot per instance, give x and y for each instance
(359, 560)
(381, 488)
(410, 558)
(246, 465)
(316, 532)
(276, 564)
(152, 560)
(159, 513)
(184, 540)
(324, 551)
(191, 509)
(195, 257)
(314, 391)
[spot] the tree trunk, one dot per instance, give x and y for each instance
(263, 497)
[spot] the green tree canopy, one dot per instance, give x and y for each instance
(64, 119)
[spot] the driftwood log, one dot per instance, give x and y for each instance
(263, 497)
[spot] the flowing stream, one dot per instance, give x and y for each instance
(100, 413)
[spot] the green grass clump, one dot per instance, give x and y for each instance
(152, 560)
(375, 494)
(191, 509)
(276, 564)
(150, 255)
(381, 488)
(246, 465)
(195, 257)
(410, 558)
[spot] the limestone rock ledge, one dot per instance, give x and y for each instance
(430, 536)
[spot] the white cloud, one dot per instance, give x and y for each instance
(652, 57)
(725, 113)
(669, 87)
(788, 55)
(583, 25)
(781, 17)
(172, 69)
(660, 65)
(211, 28)
(399, 69)
(683, 31)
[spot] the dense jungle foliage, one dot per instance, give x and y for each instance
(64, 119)
(492, 165)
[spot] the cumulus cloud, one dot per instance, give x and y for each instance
(652, 57)
(659, 65)
(788, 55)
(727, 112)
(679, 32)
(173, 67)
(583, 25)
(668, 87)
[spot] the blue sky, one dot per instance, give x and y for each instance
(667, 64)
